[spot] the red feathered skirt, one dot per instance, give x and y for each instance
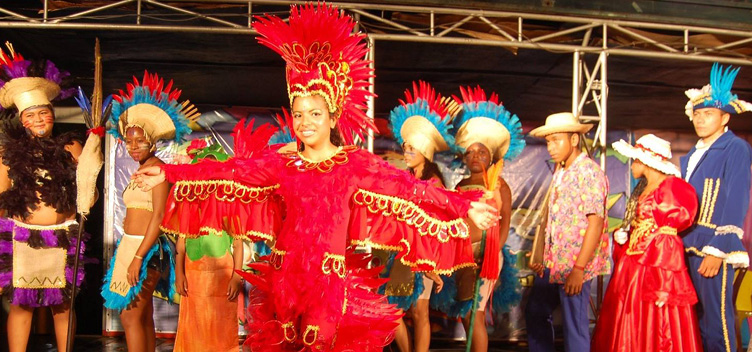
(298, 304)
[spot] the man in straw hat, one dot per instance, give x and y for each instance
(37, 199)
(718, 167)
(576, 247)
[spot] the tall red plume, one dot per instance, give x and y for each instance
(421, 90)
(474, 95)
(248, 140)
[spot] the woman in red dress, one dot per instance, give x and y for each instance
(649, 304)
(315, 294)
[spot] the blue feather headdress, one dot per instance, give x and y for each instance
(717, 94)
(486, 121)
(154, 107)
(423, 120)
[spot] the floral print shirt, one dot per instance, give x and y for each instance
(578, 191)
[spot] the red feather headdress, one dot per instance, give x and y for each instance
(323, 57)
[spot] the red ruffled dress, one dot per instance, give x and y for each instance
(315, 293)
(652, 264)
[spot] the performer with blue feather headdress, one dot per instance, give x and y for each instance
(147, 112)
(718, 167)
(421, 125)
(485, 132)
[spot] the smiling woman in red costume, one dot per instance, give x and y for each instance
(314, 294)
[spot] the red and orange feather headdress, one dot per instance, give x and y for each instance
(323, 57)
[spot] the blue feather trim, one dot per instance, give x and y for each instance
(508, 293)
(420, 107)
(283, 136)
(402, 302)
(498, 113)
(446, 300)
(142, 95)
(167, 289)
(261, 249)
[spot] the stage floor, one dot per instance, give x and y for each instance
(117, 344)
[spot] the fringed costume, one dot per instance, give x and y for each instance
(314, 293)
(152, 106)
(36, 262)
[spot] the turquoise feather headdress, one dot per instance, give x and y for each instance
(485, 120)
(153, 107)
(423, 120)
(717, 94)
(284, 135)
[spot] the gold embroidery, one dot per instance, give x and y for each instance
(309, 328)
(276, 257)
(371, 244)
(344, 303)
(333, 263)
(289, 326)
(296, 160)
(411, 214)
(212, 231)
(723, 307)
(222, 190)
(709, 197)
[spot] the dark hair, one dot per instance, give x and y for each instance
(581, 144)
(430, 170)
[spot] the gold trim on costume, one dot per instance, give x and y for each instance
(707, 206)
(205, 230)
(333, 263)
(309, 328)
(276, 257)
(289, 325)
(298, 161)
(222, 190)
(723, 307)
(409, 213)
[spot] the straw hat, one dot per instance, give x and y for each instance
(651, 151)
(26, 92)
(484, 119)
(561, 122)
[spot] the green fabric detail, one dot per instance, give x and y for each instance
(212, 245)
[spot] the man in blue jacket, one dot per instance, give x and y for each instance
(719, 169)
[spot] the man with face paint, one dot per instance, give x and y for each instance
(576, 245)
(38, 200)
(718, 167)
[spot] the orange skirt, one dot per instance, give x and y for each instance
(208, 321)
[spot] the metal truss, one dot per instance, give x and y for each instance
(434, 24)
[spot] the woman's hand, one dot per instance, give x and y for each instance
(233, 289)
(438, 282)
(662, 299)
(483, 215)
(134, 271)
(181, 284)
(621, 236)
(149, 177)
